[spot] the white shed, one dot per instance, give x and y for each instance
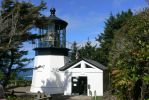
(83, 77)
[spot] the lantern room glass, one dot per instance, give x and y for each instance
(53, 36)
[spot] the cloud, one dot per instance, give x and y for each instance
(118, 3)
(138, 8)
(93, 43)
(81, 22)
(82, 27)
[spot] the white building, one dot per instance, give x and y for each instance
(51, 54)
(84, 77)
(54, 73)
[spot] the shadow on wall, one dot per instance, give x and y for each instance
(57, 85)
(53, 85)
(67, 79)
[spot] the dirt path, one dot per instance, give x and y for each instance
(55, 97)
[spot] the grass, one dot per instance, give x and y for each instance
(97, 98)
(19, 98)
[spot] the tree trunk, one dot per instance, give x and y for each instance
(7, 77)
(142, 90)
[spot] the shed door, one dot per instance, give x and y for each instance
(79, 85)
(75, 89)
(82, 83)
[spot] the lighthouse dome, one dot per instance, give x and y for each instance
(57, 21)
(54, 32)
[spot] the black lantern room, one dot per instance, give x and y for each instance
(54, 33)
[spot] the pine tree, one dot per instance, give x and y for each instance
(16, 21)
(129, 58)
(88, 51)
(105, 39)
(74, 50)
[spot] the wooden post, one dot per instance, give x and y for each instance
(95, 94)
(38, 96)
(2, 95)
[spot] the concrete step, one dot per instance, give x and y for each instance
(80, 98)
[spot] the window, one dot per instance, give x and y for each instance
(87, 66)
(78, 66)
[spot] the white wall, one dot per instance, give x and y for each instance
(94, 79)
(48, 78)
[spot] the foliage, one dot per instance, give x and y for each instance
(16, 21)
(88, 51)
(74, 50)
(105, 39)
(129, 58)
(101, 54)
(10, 97)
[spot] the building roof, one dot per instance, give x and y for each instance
(92, 62)
(53, 19)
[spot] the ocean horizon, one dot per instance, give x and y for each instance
(26, 75)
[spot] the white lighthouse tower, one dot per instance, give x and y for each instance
(51, 54)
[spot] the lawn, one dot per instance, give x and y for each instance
(97, 98)
(10, 97)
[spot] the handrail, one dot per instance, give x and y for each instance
(43, 44)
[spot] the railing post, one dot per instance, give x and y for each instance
(38, 96)
(95, 94)
(42, 96)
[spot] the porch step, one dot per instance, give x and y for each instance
(80, 98)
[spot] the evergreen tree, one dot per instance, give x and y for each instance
(16, 21)
(74, 50)
(88, 51)
(129, 58)
(105, 39)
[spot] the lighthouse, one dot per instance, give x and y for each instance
(50, 54)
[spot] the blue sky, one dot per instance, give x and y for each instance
(86, 17)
